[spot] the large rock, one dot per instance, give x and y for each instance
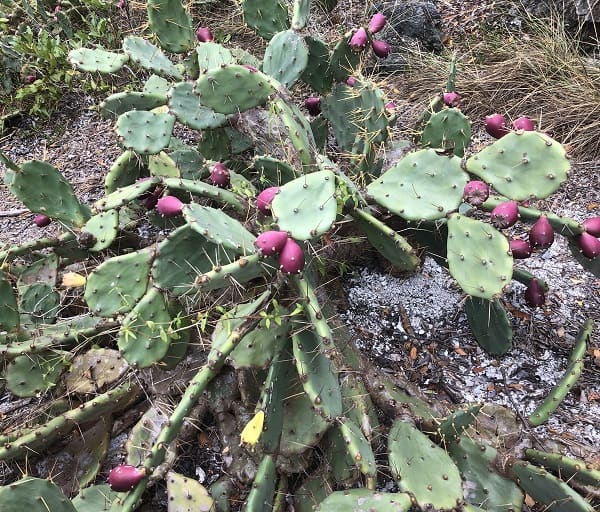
(576, 14)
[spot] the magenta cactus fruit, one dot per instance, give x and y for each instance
(291, 257)
(592, 226)
(505, 214)
(252, 69)
(41, 220)
(391, 106)
(169, 206)
(451, 99)
(204, 35)
(271, 243)
(381, 48)
(313, 105)
(351, 81)
(476, 192)
(589, 245)
(495, 125)
(534, 294)
(359, 40)
(123, 478)
(219, 176)
(265, 198)
(541, 233)
(29, 79)
(523, 123)
(376, 23)
(520, 249)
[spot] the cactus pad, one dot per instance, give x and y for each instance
(213, 55)
(187, 495)
(9, 312)
(343, 60)
(274, 172)
(522, 165)
(358, 448)
(297, 127)
(172, 25)
(490, 324)
(96, 498)
(103, 227)
(257, 348)
(124, 171)
(121, 102)
(146, 133)
(162, 165)
(40, 302)
(266, 17)
(34, 374)
(97, 61)
(34, 495)
(94, 370)
(148, 56)
(263, 487)
(478, 257)
(566, 467)
(422, 186)
(124, 195)
(143, 435)
(186, 106)
(365, 500)
(448, 129)
(316, 73)
(286, 57)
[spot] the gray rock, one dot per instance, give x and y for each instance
(576, 14)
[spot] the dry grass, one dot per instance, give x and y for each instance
(541, 74)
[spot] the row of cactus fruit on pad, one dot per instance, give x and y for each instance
(246, 212)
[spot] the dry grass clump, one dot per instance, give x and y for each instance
(541, 74)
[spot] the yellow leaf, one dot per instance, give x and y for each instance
(253, 429)
(73, 280)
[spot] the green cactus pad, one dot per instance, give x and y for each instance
(9, 312)
(172, 25)
(124, 195)
(263, 487)
(286, 57)
(357, 404)
(448, 129)
(343, 60)
(565, 467)
(274, 172)
(116, 285)
(34, 374)
(162, 165)
(478, 257)
(297, 127)
(365, 500)
(94, 370)
(124, 171)
(266, 17)
(486, 487)
(34, 495)
(121, 102)
(317, 374)
(219, 228)
(40, 302)
(96, 498)
(306, 207)
(490, 324)
(423, 469)
(215, 144)
(143, 436)
(186, 106)
(314, 489)
(190, 163)
(342, 467)
(257, 348)
(234, 88)
(522, 165)
(144, 336)
(146, 133)
(316, 74)
(358, 448)
(149, 56)
(185, 495)
(546, 489)
(43, 189)
(156, 85)
(237, 272)
(97, 61)
(104, 228)
(301, 13)
(213, 55)
(422, 186)
(43, 270)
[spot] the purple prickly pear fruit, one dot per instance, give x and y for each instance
(495, 125)
(505, 214)
(376, 23)
(476, 192)
(451, 99)
(265, 198)
(351, 81)
(271, 243)
(589, 245)
(291, 257)
(359, 40)
(123, 478)
(41, 220)
(541, 233)
(169, 206)
(592, 226)
(204, 35)
(381, 48)
(520, 249)
(29, 79)
(252, 69)
(523, 123)
(121, 4)
(219, 176)
(391, 106)
(313, 105)
(534, 295)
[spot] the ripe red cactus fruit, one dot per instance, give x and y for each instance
(589, 245)
(381, 48)
(505, 214)
(204, 35)
(495, 125)
(391, 106)
(169, 206)
(520, 249)
(250, 68)
(451, 99)
(291, 257)
(219, 176)
(271, 243)
(123, 478)
(359, 39)
(351, 81)
(265, 198)
(541, 234)
(41, 220)
(534, 294)
(592, 226)
(376, 23)
(476, 192)
(313, 105)
(523, 123)
(30, 78)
